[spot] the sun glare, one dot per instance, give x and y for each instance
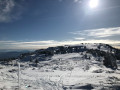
(93, 3)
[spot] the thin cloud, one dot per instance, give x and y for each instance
(25, 45)
(99, 33)
(6, 7)
(76, 0)
(72, 0)
(79, 38)
(7, 13)
(48, 43)
(80, 1)
(34, 42)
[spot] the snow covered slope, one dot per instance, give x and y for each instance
(69, 71)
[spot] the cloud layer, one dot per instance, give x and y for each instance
(98, 36)
(48, 43)
(99, 33)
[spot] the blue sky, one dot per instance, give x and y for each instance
(34, 24)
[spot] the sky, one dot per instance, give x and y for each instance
(35, 24)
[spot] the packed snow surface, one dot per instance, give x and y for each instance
(62, 72)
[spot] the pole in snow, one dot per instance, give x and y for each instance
(18, 76)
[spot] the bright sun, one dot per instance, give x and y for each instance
(93, 3)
